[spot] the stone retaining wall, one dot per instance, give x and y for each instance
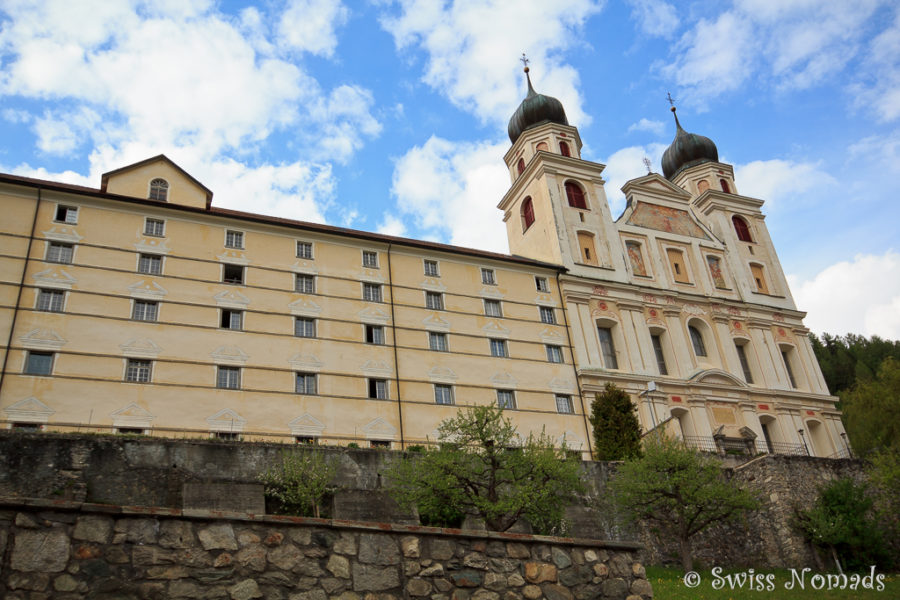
(69, 550)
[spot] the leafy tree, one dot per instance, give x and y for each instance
(678, 491)
(617, 432)
(847, 360)
(884, 476)
(300, 483)
(872, 411)
(842, 520)
(483, 467)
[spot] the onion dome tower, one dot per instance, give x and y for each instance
(534, 110)
(686, 150)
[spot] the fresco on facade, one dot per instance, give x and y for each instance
(664, 218)
(715, 269)
(637, 260)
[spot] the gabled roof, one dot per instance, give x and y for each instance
(104, 179)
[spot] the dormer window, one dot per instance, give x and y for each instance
(564, 149)
(527, 213)
(742, 229)
(575, 195)
(159, 190)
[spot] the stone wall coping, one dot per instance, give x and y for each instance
(13, 503)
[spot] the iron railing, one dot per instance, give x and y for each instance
(741, 446)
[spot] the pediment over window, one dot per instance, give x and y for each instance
(717, 377)
(379, 429)
(30, 410)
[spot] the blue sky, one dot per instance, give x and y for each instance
(391, 116)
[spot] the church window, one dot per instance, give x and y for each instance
(564, 149)
(443, 394)
(304, 284)
(304, 327)
(697, 341)
(786, 357)
(159, 190)
(745, 364)
(676, 261)
(137, 371)
(656, 338)
(437, 341)
(434, 300)
(66, 214)
(742, 229)
(725, 187)
(564, 404)
(375, 334)
(305, 383)
(154, 227)
(607, 347)
(231, 319)
(228, 378)
(586, 244)
(759, 278)
(527, 213)
(233, 274)
(575, 195)
(506, 399)
(520, 166)
(50, 300)
(39, 363)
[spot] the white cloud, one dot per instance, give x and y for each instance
(655, 17)
(856, 296)
(878, 86)
(134, 79)
(473, 49)
(391, 225)
(452, 190)
(309, 25)
(654, 127)
(624, 165)
(776, 180)
(796, 44)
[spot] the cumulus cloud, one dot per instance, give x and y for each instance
(795, 45)
(310, 25)
(878, 86)
(391, 225)
(133, 79)
(626, 164)
(860, 296)
(655, 17)
(451, 190)
(654, 127)
(778, 180)
(492, 35)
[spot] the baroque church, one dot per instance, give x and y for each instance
(139, 307)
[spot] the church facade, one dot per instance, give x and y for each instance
(139, 307)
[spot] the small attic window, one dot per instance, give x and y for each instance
(159, 190)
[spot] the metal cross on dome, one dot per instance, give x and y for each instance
(524, 60)
(669, 98)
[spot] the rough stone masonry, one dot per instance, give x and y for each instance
(71, 550)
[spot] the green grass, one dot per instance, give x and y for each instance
(668, 584)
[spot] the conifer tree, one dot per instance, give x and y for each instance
(617, 432)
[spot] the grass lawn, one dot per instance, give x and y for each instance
(668, 584)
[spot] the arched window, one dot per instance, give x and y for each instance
(543, 146)
(527, 213)
(725, 187)
(588, 251)
(159, 190)
(564, 149)
(575, 195)
(702, 185)
(520, 166)
(697, 341)
(742, 229)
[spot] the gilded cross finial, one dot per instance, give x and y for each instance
(525, 61)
